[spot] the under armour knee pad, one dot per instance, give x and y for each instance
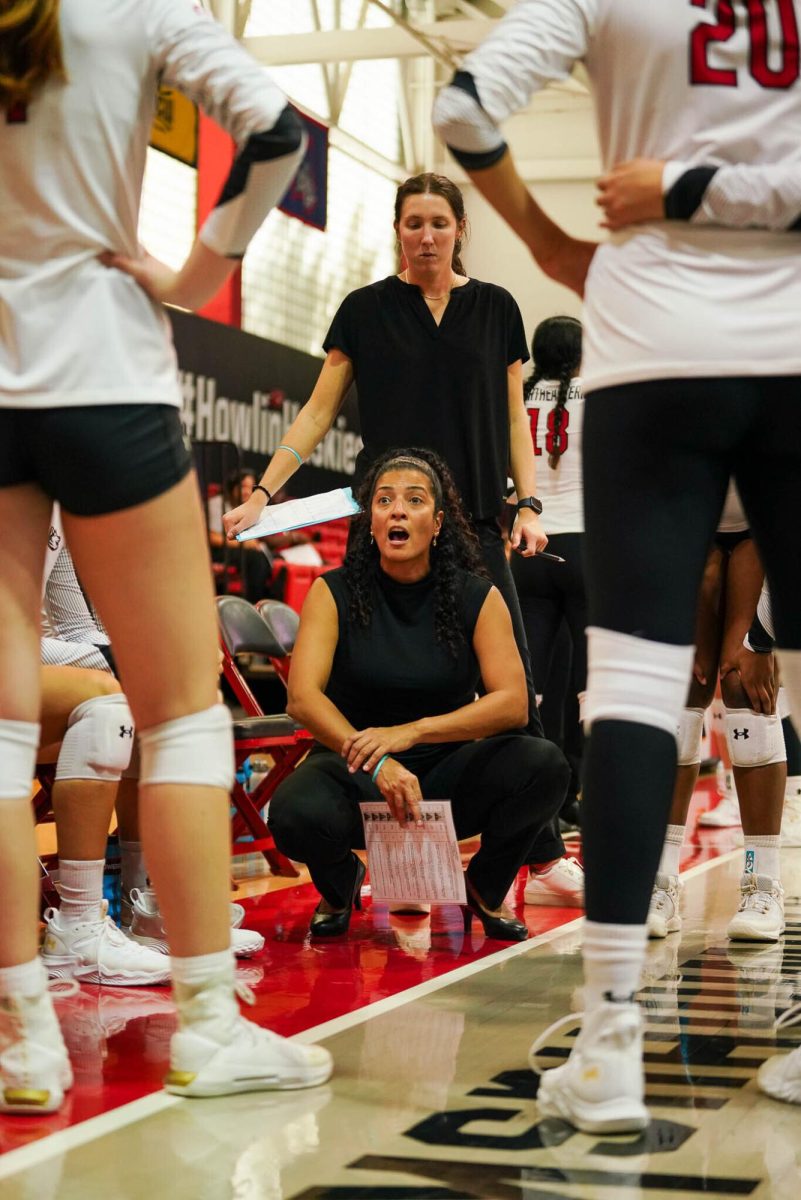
(196, 749)
(754, 739)
(631, 679)
(691, 727)
(99, 740)
(133, 770)
(19, 741)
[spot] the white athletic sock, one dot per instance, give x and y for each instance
(671, 851)
(793, 785)
(26, 979)
(613, 959)
(80, 886)
(762, 855)
(133, 873)
(203, 987)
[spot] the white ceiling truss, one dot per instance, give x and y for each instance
(429, 39)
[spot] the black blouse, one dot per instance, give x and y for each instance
(395, 670)
(442, 386)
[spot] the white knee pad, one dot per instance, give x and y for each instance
(19, 741)
(134, 767)
(98, 741)
(754, 739)
(631, 679)
(691, 727)
(196, 749)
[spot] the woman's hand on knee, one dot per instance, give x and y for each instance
(401, 790)
(757, 675)
(367, 747)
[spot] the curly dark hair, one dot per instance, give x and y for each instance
(457, 547)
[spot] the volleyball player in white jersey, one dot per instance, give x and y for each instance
(89, 417)
(551, 592)
(691, 369)
(727, 602)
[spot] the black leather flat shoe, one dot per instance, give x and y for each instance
(326, 925)
(503, 929)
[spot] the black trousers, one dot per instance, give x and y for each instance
(504, 788)
(549, 845)
(549, 594)
(657, 460)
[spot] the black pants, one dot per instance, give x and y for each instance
(549, 845)
(505, 788)
(657, 460)
(549, 594)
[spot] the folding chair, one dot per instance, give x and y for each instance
(283, 623)
(243, 631)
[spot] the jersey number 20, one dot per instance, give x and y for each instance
(781, 73)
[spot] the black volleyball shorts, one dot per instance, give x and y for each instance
(94, 459)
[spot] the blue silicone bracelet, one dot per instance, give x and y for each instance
(378, 766)
(291, 451)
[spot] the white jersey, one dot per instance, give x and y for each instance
(696, 83)
(733, 518)
(71, 626)
(561, 490)
(72, 331)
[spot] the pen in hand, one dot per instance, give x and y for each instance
(550, 557)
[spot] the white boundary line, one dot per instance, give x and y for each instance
(26, 1157)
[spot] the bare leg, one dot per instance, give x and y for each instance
(24, 514)
(760, 789)
(165, 641)
(127, 806)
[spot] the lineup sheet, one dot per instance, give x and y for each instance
(408, 862)
(294, 514)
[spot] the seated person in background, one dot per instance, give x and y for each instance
(257, 553)
(385, 670)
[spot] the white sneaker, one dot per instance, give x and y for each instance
(147, 926)
(780, 1076)
(664, 916)
(760, 917)
(35, 1070)
(601, 1087)
(217, 1052)
(98, 952)
(724, 815)
(562, 885)
(791, 820)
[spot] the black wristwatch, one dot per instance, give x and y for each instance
(530, 502)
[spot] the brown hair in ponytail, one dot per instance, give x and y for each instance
(437, 185)
(556, 351)
(30, 48)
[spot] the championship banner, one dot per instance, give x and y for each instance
(307, 198)
(175, 125)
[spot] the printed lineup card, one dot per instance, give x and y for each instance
(409, 862)
(294, 514)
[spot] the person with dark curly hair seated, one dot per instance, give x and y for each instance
(385, 673)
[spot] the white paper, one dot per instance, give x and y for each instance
(294, 514)
(408, 862)
(306, 554)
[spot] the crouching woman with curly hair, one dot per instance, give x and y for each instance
(391, 649)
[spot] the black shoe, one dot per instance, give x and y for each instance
(325, 925)
(503, 929)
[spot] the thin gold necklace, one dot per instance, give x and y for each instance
(425, 296)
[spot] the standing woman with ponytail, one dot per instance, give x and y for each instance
(89, 403)
(551, 592)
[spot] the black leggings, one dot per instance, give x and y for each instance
(550, 593)
(657, 460)
(505, 788)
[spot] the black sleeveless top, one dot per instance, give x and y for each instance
(395, 670)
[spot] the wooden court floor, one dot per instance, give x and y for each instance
(432, 1098)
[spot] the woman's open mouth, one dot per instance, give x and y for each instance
(398, 536)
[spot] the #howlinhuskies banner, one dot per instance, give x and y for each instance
(243, 389)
